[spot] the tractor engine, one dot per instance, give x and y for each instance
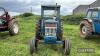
(50, 31)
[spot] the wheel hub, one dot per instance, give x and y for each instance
(84, 29)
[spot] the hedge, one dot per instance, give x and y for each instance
(72, 19)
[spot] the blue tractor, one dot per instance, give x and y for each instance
(90, 25)
(49, 29)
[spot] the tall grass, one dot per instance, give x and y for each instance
(19, 45)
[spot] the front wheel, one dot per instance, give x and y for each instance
(66, 47)
(13, 27)
(33, 46)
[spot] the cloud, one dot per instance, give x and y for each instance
(25, 1)
(25, 5)
(14, 13)
(69, 5)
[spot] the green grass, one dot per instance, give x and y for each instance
(19, 45)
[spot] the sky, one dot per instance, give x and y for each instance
(16, 7)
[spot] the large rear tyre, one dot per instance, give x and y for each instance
(85, 29)
(66, 47)
(33, 46)
(38, 29)
(13, 27)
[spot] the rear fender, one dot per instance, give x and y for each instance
(88, 20)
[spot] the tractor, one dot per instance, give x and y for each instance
(7, 23)
(49, 30)
(90, 25)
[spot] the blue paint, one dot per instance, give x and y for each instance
(96, 23)
(52, 40)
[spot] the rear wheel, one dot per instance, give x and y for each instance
(13, 27)
(66, 47)
(33, 46)
(60, 34)
(85, 29)
(38, 33)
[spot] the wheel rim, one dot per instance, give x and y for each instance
(84, 29)
(15, 28)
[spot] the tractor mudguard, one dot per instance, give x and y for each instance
(89, 20)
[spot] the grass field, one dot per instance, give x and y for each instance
(18, 45)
